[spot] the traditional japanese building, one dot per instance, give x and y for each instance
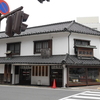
(68, 52)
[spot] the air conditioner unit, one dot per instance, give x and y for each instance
(45, 53)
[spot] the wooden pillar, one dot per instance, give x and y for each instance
(7, 73)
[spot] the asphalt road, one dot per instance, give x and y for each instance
(33, 93)
(16, 92)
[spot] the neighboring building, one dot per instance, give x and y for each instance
(68, 52)
(92, 22)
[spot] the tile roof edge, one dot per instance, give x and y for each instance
(51, 24)
(87, 27)
(34, 56)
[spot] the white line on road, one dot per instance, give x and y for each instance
(87, 97)
(90, 94)
(83, 95)
(66, 98)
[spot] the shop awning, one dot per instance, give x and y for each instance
(86, 46)
(55, 59)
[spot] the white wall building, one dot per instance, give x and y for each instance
(68, 52)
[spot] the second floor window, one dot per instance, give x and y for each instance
(14, 48)
(38, 45)
(81, 42)
(83, 48)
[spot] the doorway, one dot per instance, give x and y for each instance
(25, 76)
(56, 73)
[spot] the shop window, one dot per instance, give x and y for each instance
(77, 75)
(39, 45)
(80, 52)
(14, 48)
(40, 71)
(84, 76)
(93, 75)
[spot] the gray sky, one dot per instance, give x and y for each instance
(54, 11)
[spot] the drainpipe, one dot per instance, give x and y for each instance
(69, 43)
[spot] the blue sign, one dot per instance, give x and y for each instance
(4, 7)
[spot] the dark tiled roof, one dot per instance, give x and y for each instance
(56, 59)
(71, 26)
(79, 28)
(74, 60)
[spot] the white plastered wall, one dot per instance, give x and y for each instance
(59, 43)
(40, 80)
(1, 68)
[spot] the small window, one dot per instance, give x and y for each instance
(81, 42)
(81, 48)
(14, 48)
(38, 45)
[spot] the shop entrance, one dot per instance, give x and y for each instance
(56, 73)
(25, 75)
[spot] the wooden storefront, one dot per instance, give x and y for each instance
(83, 75)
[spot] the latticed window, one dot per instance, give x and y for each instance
(14, 48)
(39, 45)
(81, 42)
(83, 48)
(40, 71)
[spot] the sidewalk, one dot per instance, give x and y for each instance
(97, 87)
(93, 87)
